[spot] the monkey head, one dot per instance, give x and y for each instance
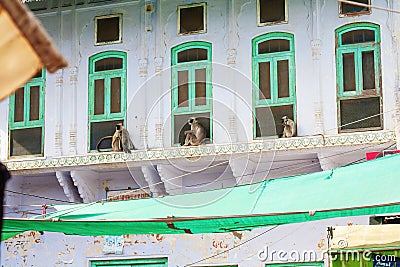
(192, 120)
(119, 126)
(285, 120)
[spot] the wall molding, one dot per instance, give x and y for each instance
(157, 155)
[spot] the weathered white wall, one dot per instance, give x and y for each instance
(230, 27)
(63, 250)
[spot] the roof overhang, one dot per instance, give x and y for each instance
(25, 47)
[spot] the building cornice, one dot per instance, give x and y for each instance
(142, 157)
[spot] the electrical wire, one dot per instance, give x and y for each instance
(234, 247)
(224, 162)
(209, 167)
(279, 240)
(277, 168)
(22, 205)
(356, 161)
(363, 119)
(227, 161)
(138, 189)
(22, 211)
(225, 251)
(37, 196)
(288, 170)
(317, 163)
(72, 209)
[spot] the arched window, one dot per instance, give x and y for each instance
(358, 77)
(26, 119)
(191, 88)
(107, 94)
(274, 82)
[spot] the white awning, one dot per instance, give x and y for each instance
(365, 236)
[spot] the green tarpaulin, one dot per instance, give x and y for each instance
(360, 189)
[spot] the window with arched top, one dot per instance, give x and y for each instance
(274, 80)
(26, 117)
(358, 74)
(191, 88)
(107, 94)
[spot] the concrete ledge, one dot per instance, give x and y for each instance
(112, 159)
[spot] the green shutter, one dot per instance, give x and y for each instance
(108, 76)
(33, 115)
(351, 75)
(275, 60)
(131, 263)
(191, 67)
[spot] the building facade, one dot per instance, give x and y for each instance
(239, 67)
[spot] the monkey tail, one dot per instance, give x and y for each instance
(101, 141)
(132, 146)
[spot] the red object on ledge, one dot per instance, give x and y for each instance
(379, 154)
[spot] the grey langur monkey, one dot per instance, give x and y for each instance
(197, 133)
(116, 143)
(120, 140)
(289, 127)
(125, 141)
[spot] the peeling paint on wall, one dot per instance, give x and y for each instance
(20, 246)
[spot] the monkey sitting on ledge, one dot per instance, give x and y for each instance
(197, 133)
(289, 127)
(120, 141)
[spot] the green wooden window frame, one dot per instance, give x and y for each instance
(355, 51)
(190, 67)
(162, 262)
(107, 76)
(26, 122)
(297, 264)
(273, 58)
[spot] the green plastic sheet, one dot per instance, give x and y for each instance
(360, 189)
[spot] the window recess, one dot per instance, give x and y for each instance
(108, 29)
(274, 81)
(346, 9)
(271, 12)
(26, 118)
(192, 19)
(191, 88)
(107, 95)
(358, 75)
